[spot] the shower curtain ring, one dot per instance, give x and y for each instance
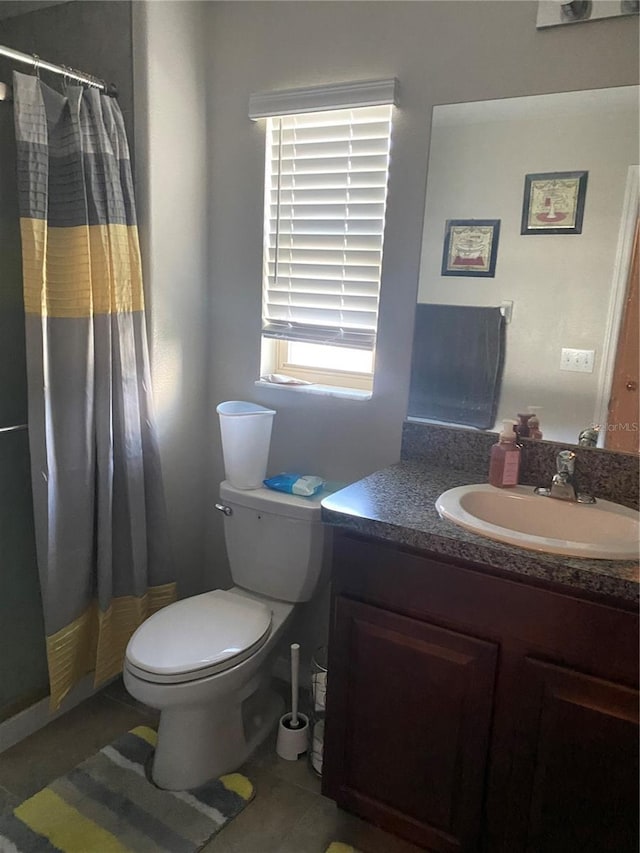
(36, 65)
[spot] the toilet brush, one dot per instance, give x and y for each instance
(295, 672)
(293, 729)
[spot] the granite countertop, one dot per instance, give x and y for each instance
(397, 504)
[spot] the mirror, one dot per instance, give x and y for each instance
(567, 289)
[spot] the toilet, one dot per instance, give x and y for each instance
(205, 662)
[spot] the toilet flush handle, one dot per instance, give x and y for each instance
(223, 508)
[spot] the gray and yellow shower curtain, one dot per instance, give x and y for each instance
(101, 532)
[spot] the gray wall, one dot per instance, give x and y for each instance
(171, 193)
(441, 52)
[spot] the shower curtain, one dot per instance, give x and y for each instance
(101, 534)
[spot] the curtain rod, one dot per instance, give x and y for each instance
(70, 73)
(15, 428)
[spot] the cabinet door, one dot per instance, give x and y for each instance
(575, 764)
(408, 719)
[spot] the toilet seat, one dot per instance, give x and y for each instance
(198, 637)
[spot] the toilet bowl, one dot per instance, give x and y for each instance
(205, 662)
(205, 723)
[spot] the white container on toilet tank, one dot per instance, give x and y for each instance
(245, 429)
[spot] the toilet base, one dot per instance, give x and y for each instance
(201, 742)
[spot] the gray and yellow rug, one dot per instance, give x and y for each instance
(107, 805)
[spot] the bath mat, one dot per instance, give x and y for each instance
(107, 805)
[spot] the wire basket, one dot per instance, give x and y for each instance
(318, 704)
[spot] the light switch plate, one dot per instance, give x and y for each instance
(578, 360)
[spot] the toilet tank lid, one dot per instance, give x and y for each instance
(278, 503)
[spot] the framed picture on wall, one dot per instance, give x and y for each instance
(470, 247)
(554, 203)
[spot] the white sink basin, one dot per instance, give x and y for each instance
(601, 531)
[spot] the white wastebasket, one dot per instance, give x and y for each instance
(246, 436)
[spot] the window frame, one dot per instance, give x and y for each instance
(275, 351)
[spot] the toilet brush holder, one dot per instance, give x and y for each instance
(293, 730)
(292, 742)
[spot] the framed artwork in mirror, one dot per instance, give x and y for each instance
(554, 203)
(470, 247)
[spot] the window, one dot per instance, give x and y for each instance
(326, 174)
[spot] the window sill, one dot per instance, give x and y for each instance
(318, 390)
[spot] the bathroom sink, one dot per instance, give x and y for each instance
(601, 531)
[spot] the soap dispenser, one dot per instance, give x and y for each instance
(522, 427)
(504, 466)
(534, 422)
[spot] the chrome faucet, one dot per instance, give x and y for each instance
(563, 484)
(589, 436)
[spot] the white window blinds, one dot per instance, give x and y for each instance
(325, 196)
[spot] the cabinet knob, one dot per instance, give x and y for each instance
(631, 386)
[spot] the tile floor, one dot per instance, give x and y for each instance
(288, 814)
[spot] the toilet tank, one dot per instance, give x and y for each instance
(276, 542)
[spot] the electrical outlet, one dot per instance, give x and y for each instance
(579, 360)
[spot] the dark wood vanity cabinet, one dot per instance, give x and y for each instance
(468, 712)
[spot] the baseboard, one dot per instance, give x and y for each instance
(37, 716)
